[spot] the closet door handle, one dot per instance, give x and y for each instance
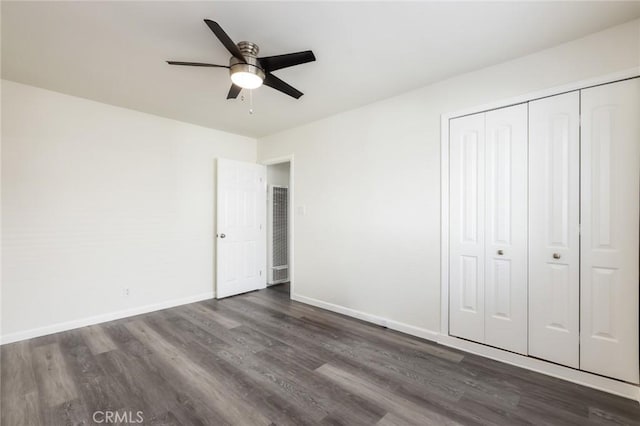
(222, 236)
(500, 252)
(556, 255)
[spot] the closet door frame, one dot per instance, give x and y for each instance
(443, 337)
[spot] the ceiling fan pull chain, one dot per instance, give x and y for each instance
(250, 102)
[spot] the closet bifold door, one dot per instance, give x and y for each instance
(466, 234)
(506, 228)
(554, 219)
(488, 228)
(610, 163)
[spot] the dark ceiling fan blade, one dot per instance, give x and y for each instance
(225, 39)
(275, 83)
(196, 64)
(234, 91)
(272, 63)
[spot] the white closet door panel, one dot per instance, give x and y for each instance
(610, 231)
(466, 261)
(554, 217)
(506, 228)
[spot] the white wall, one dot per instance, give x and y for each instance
(96, 199)
(370, 181)
(278, 174)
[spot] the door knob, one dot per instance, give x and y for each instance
(222, 236)
(556, 255)
(500, 252)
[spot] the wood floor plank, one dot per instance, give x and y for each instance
(300, 396)
(73, 412)
(202, 332)
(98, 390)
(164, 419)
(97, 340)
(283, 382)
(263, 386)
(352, 408)
(17, 370)
(354, 327)
(391, 419)
(382, 372)
(200, 327)
(18, 389)
(23, 411)
(340, 337)
(144, 392)
(603, 416)
(261, 358)
(149, 377)
(54, 381)
(232, 406)
(539, 413)
(410, 412)
(349, 353)
(213, 315)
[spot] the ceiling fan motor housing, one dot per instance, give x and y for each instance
(252, 65)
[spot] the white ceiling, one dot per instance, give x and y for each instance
(114, 52)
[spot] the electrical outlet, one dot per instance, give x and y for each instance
(125, 292)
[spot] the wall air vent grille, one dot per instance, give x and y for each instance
(280, 237)
(279, 261)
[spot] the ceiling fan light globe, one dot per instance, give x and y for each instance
(246, 80)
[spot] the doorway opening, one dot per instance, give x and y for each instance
(279, 226)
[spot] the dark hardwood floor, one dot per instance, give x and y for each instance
(260, 358)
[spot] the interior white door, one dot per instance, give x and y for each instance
(241, 234)
(554, 219)
(466, 260)
(506, 228)
(610, 163)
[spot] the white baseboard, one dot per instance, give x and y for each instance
(626, 390)
(384, 322)
(97, 319)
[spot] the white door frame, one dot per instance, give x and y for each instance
(290, 213)
(566, 373)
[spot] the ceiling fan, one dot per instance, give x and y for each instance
(247, 70)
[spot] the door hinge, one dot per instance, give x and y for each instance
(260, 273)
